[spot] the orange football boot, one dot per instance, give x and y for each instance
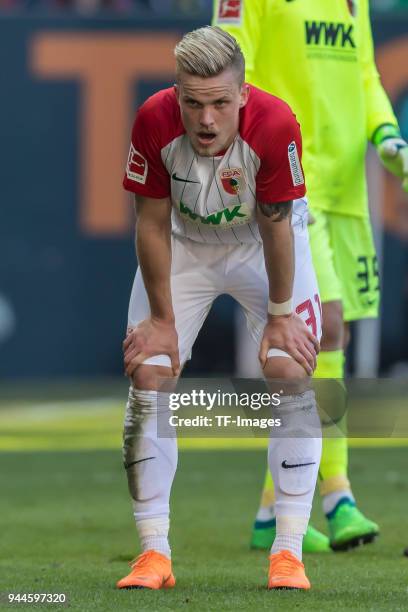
(150, 570)
(286, 572)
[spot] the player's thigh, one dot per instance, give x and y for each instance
(323, 258)
(329, 284)
(194, 286)
(356, 265)
(251, 287)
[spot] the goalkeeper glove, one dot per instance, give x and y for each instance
(393, 151)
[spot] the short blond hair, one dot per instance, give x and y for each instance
(207, 52)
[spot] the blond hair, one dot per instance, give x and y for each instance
(208, 51)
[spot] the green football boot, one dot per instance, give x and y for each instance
(348, 527)
(264, 532)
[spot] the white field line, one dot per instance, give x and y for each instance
(57, 411)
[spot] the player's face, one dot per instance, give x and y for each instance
(210, 109)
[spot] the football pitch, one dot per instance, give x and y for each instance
(67, 525)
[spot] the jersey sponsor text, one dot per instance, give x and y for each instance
(329, 34)
(222, 219)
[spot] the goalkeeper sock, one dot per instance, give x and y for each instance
(331, 500)
(266, 511)
(334, 462)
(330, 364)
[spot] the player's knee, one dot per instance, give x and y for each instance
(150, 377)
(333, 326)
(284, 368)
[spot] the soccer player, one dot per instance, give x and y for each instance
(318, 56)
(215, 168)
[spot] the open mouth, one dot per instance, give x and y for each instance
(206, 138)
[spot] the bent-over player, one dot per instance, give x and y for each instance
(215, 168)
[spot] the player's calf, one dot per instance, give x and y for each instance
(293, 455)
(150, 462)
(332, 326)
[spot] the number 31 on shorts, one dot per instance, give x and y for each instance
(307, 310)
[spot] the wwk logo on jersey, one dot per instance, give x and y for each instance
(221, 219)
(330, 34)
(230, 11)
(294, 163)
(136, 167)
(233, 180)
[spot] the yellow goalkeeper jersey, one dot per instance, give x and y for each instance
(318, 56)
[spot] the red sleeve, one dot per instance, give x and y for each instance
(280, 177)
(145, 172)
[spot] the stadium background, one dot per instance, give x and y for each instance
(72, 74)
(71, 84)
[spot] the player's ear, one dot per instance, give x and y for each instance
(176, 91)
(244, 95)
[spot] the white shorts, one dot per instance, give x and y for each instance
(201, 272)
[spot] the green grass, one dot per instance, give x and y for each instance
(83, 417)
(66, 525)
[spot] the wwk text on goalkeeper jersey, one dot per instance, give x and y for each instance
(214, 198)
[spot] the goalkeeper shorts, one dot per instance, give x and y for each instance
(345, 262)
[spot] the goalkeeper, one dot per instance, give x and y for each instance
(318, 56)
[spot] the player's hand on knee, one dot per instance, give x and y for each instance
(290, 333)
(149, 338)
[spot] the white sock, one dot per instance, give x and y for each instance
(153, 535)
(331, 500)
(150, 462)
(294, 458)
(294, 455)
(289, 534)
(292, 543)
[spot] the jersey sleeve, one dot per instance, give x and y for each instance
(242, 19)
(145, 172)
(280, 177)
(379, 109)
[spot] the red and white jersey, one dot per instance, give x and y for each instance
(214, 198)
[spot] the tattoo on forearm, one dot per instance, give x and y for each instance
(276, 212)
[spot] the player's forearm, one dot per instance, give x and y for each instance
(153, 249)
(274, 221)
(378, 106)
(379, 109)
